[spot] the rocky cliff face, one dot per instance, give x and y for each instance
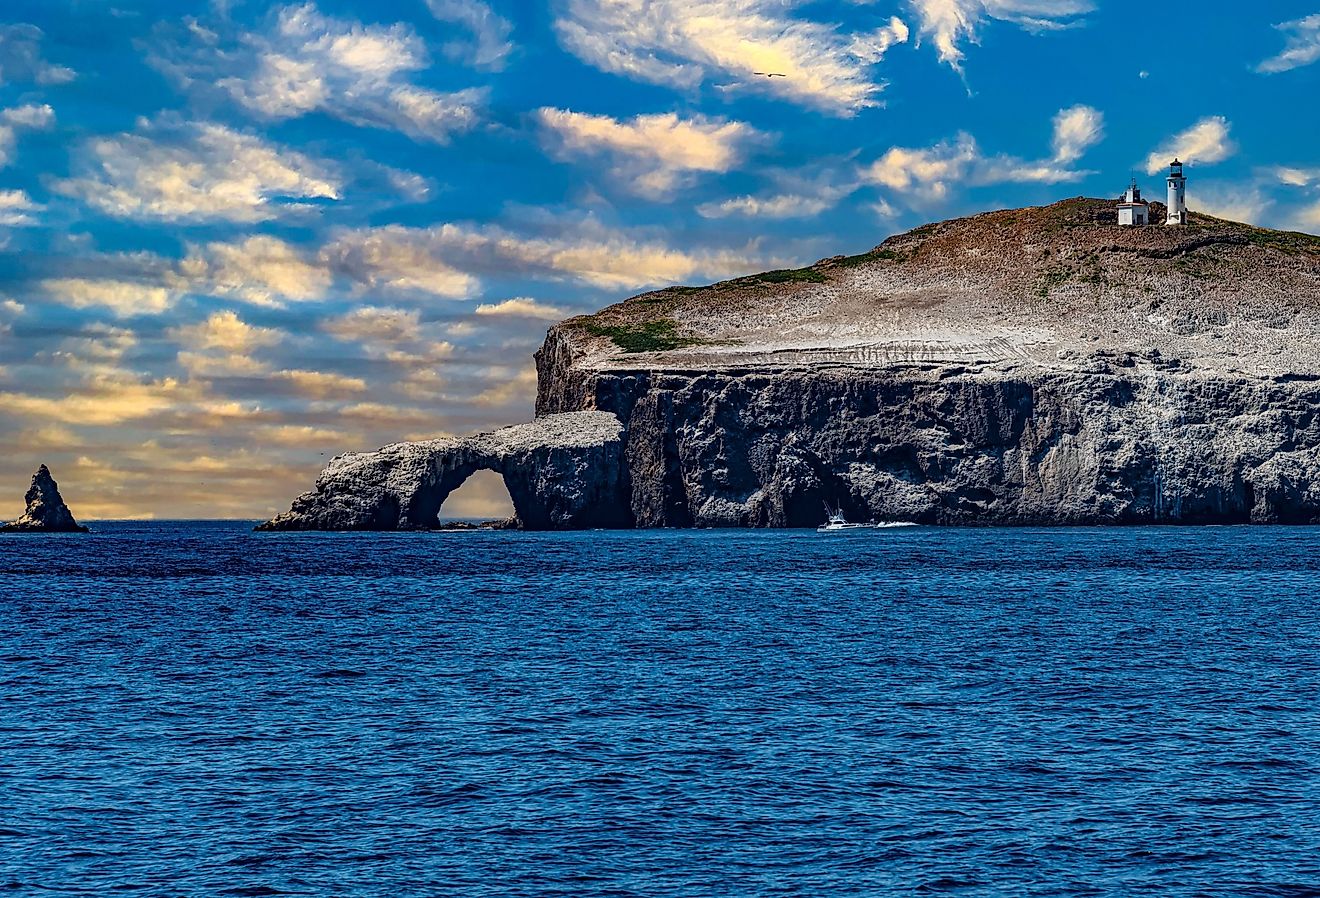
(1119, 444)
(46, 511)
(562, 471)
(1038, 366)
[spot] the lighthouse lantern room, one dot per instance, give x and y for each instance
(1177, 195)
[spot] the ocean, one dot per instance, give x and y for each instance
(195, 709)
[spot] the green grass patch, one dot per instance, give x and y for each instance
(1290, 242)
(875, 255)
(1052, 277)
(791, 276)
(648, 336)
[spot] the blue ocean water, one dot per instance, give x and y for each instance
(195, 709)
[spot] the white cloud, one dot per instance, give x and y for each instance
(399, 259)
(1297, 177)
(796, 193)
(98, 349)
(323, 384)
(1205, 143)
(926, 174)
(310, 62)
(950, 23)
(30, 116)
(21, 118)
(1302, 47)
(489, 45)
(223, 345)
(1234, 202)
(261, 270)
(376, 324)
(1309, 217)
(652, 154)
(103, 400)
(521, 307)
(683, 43)
(445, 260)
(1076, 130)
(124, 298)
(775, 206)
(201, 172)
(16, 208)
(1305, 217)
(20, 58)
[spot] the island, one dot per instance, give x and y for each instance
(1039, 366)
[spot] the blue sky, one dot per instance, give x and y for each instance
(235, 235)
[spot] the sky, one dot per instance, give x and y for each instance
(238, 238)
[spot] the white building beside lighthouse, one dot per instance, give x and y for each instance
(1133, 211)
(1177, 195)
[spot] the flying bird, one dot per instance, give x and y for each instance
(771, 74)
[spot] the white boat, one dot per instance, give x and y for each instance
(836, 522)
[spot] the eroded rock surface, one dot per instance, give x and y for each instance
(46, 511)
(1031, 366)
(562, 472)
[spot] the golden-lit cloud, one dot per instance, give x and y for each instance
(199, 172)
(261, 270)
(521, 307)
(223, 344)
(376, 324)
(104, 400)
(323, 384)
(123, 298)
(400, 259)
(1205, 143)
(508, 386)
(682, 43)
(649, 154)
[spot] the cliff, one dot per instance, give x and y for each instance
(1030, 366)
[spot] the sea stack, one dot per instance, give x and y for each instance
(46, 511)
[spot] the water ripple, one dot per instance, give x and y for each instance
(200, 710)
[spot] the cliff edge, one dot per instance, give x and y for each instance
(1029, 366)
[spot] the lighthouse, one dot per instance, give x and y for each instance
(1177, 195)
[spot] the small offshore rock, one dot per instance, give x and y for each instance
(46, 511)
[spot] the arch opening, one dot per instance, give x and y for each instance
(482, 498)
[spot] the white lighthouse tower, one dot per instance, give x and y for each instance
(1177, 195)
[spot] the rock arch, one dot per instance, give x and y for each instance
(562, 472)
